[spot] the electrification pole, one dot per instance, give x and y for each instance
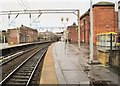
(91, 33)
(78, 29)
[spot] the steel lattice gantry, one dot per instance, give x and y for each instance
(29, 12)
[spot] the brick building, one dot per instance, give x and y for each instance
(46, 36)
(72, 33)
(105, 19)
(22, 34)
(85, 27)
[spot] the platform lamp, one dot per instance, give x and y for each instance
(65, 29)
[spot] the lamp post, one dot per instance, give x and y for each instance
(65, 28)
(78, 29)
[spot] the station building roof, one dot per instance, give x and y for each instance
(103, 3)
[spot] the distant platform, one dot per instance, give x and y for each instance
(6, 45)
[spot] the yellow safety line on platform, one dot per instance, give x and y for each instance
(48, 75)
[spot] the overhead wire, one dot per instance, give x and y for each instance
(23, 7)
(21, 4)
(28, 4)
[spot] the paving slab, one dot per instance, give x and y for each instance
(67, 65)
(75, 77)
(97, 71)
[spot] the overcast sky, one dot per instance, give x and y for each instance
(46, 19)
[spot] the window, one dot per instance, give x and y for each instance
(108, 38)
(113, 38)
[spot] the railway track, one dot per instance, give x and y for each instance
(8, 65)
(6, 53)
(12, 57)
(23, 73)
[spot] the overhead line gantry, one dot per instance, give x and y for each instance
(50, 11)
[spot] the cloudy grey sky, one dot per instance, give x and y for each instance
(46, 19)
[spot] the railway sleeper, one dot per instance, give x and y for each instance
(18, 80)
(25, 71)
(20, 76)
(26, 67)
(29, 67)
(30, 70)
(25, 74)
(14, 84)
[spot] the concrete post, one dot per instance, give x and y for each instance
(78, 29)
(91, 33)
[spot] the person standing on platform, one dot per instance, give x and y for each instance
(65, 38)
(65, 43)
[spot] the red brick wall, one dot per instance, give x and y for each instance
(73, 34)
(105, 19)
(22, 35)
(13, 36)
(85, 29)
(29, 34)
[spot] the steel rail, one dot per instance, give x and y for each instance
(35, 68)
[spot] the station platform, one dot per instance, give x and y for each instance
(67, 66)
(6, 45)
